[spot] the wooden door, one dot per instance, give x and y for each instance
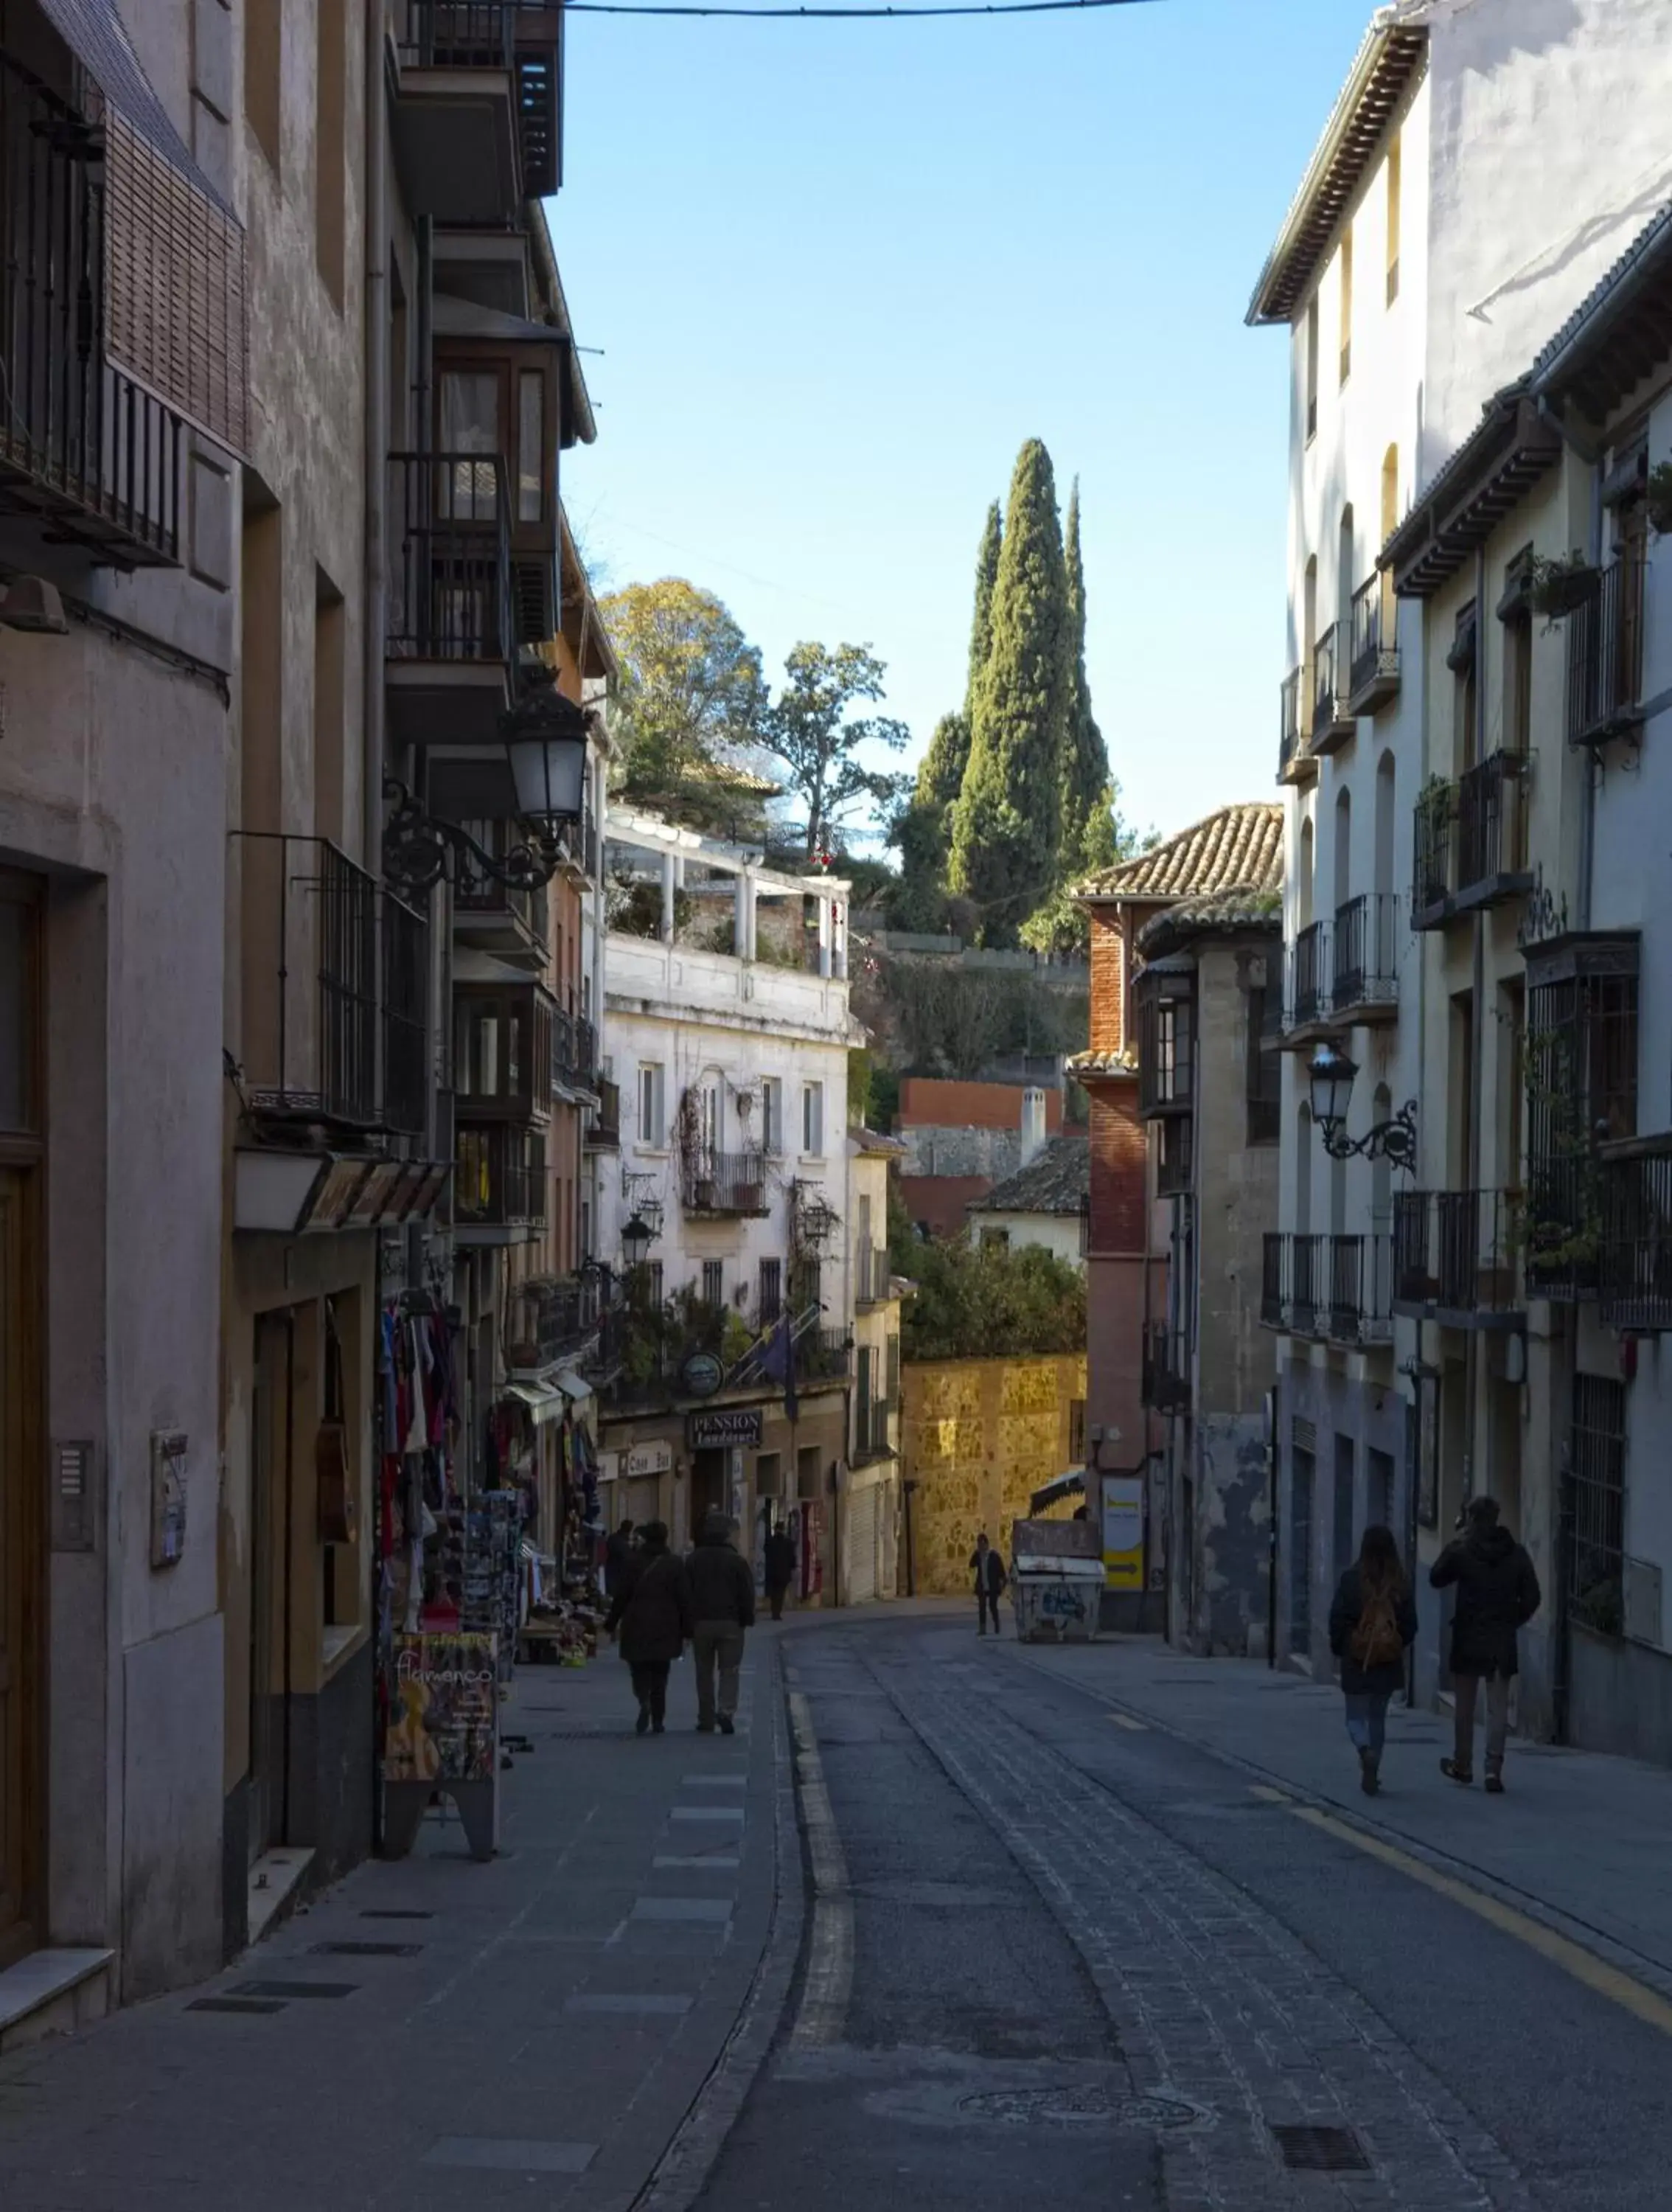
(20, 1564)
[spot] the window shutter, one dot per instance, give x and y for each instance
(175, 312)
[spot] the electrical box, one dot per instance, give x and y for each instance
(167, 1497)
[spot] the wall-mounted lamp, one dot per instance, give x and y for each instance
(636, 1239)
(30, 602)
(1329, 1077)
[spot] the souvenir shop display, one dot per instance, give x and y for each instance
(442, 1737)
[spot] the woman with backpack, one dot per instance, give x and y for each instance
(1372, 1621)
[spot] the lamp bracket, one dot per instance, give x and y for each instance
(1394, 1141)
(415, 846)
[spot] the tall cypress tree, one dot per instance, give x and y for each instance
(1006, 824)
(1085, 757)
(981, 626)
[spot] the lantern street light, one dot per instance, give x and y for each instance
(635, 1241)
(1329, 1080)
(546, 738)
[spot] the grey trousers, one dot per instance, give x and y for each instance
(1464, 1687)
(721, 1642)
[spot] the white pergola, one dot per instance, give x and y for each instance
(677, 848)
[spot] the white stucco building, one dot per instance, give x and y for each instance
(1477, 175)
(728, 1031)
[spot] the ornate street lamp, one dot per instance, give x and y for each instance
(546, 738)
(1329, 1077)
(635, 1241)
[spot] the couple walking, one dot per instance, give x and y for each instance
(1373, 1621)
(706, 1600)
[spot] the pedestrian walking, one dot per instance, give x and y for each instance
(1371, 1622)
(618, 1552)
(779, 1564)
(653, 1613)
(988, 1569)
(722, 1591)
(1497, 1594)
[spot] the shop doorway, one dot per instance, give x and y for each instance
(1303, 1474)
(272, 1461)
(708, 1489)
(20, 1591)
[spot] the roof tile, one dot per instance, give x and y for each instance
(1236, 848)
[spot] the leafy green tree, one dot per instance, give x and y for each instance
(809, 728)
(689, 701)
(983, 1301)
(1006, 824)
(1085, 757)
(980, 625)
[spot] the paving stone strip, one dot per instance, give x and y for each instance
(1214, 2000)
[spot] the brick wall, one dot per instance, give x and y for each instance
(926, 1102)
(1119, 1146)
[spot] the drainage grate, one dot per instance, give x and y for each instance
(287, 1990)
(393, 1913)
(234, 2004)
(367, 1950)
(1322, 2150)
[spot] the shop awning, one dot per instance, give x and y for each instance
(543, 1402)
(572, 1386)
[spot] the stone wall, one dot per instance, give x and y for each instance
(978, 1437)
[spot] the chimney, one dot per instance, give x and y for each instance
(1033, 1124)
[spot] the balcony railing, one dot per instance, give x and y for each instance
(1375, 676)
(1365, 976)
(1455, 1256)
(499, 1179)
(406, 1017)
(450, 595)
(82, 447)
(480, 900)
(603, 1131)
(1309, 1284)
(550, 1318)
(310, 979)
(1332, 724)
(1291, 744)
(1166, 1377)
(723, 1183)
(1635, 1270)
(821, 1355)
(521, 37)
(1327, 1286)
(1274, 1281)
(1310, 996)
(871, 1437)
(1361, 1308)
(1471, 841)
(1605, 656)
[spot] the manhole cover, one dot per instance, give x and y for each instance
(1080, 2107)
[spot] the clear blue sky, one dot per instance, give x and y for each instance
(840, 271)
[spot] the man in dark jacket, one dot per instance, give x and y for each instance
(988, 1569)
(618, 1552)
(723, 1606)
(654, 1614)
(779, 1564)
(1498, 1593)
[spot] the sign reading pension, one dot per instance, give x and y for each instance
(444, 1716)
(1123, 1532)
(724, 1424)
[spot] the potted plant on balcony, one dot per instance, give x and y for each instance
(1558, 588)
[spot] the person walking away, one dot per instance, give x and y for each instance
(779, 1564)
(1497, 1594)
(653, 1613)
(1372, 1621)
(618, 1552)
(723, 1606)
(990, 1579)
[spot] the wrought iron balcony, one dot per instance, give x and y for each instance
(1605, 656)
(1375, 675)
(1309, 1285)
(517, 40)
(1166, 1375)
(1455, 1257)
(872, 1440)
(604, 1129)
(499, 1184)
(715, 1183)
(1332, 726)
(551, 1318)
(1471, 841)
(1361, 1286)
(310, 965)
(1310, 989)
(821, 1355)
(450, 597)
(84, 449)
(1635, 1265)
(489, 915)
(1365, 974)
(1294, 762)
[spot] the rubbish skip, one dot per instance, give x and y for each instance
(1056, 1581)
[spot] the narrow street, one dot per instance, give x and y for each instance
(1010, 1935)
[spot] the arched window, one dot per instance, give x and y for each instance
(1346, 575)
(1308, 643)
(1304, 885)
(1389, 524)
(1343, 855)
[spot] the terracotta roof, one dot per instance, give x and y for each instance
(1237, 848)
(1103, 1063)
(1057, 1180)
(872, 1141)
(1230, 913)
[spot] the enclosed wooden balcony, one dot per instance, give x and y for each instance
(499, 1185)
(478, 112)
(503, 1061)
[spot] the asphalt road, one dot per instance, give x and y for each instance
(1052, 1956)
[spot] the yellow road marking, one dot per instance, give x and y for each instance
(1126, 1721)
(1594, 1972)
(1270, 1797)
